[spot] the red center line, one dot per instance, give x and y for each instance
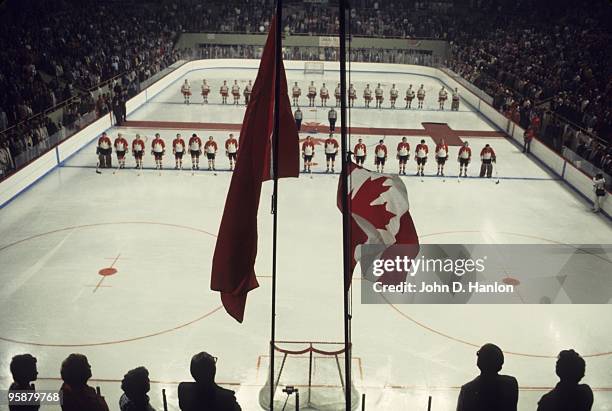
(99, 284)
(115, 260)
(104, 276)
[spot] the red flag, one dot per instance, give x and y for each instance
(379, 214)
(233, 269)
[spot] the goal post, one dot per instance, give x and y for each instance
(314, 67)
(316, 369)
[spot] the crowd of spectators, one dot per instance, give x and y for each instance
(59, 52)
(528, 64)
(490, 390)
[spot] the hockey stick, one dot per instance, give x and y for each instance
(496, 174)
(98, 167)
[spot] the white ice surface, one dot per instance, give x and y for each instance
(158, 310)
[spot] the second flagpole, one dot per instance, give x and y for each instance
(275, 142)
(346, 246)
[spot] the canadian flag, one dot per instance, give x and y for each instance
(380, 215)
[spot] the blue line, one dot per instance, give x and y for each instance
(324, 173)
(57, 166)
(560, 177)
(26, 188)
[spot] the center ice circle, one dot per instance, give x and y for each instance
(138, 304)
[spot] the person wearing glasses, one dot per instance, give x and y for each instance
(204, 393)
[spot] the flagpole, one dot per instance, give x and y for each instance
(346, 246)
(275, 142)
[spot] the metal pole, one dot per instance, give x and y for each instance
(275, 141)
(346, 246)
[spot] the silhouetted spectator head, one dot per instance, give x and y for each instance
(490, 359)
(203, 368)
(23, 368)
(76, 370)
(570, 366)
(136, 383)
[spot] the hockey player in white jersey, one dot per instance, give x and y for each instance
(442, 97)
(186, 91)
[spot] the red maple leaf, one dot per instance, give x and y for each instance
(361, 204)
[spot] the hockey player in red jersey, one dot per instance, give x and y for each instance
(487, 156)
(360, 152)
(441, 156)
(464, 158)
(104, 149)
(224, 91)
(121, 146)
(331, 150)
(403, 153)
(211, 151)
(380, 156)
(205, 92)
(420, 155)
(236, 92)
(158, 149)
(195, 149)
(138, 148)
(186, 91)
(231, 150)
(178, 149)
(308, 152)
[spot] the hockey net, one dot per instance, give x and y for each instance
(314, 67)
(316, 369)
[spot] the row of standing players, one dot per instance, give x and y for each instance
(377, 94)
(464, 157)
(195, 148)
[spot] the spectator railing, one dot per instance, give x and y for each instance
(83, 118)
(584, 165)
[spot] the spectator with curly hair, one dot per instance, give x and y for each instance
(568, 395)
(135, 386)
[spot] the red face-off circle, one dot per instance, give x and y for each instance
(511, 281)
(107, 271)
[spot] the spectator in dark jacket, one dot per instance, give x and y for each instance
(135, 386)
(489, 391)
(76, 394)
(568, 395)
(23, 369)
(204, 394)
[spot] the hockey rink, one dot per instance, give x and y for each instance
(117, 266)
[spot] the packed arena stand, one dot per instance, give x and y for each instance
(554, 68)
